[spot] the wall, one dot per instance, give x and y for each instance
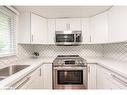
(115, 51)
(83, 50)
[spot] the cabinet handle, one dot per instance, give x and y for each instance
(32, 38)
(89, 69)
(54, 39)
(68, 26)
(40, 72)
(90, 38)
(119, 80)
(21, 84)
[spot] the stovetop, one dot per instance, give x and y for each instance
(69, 60)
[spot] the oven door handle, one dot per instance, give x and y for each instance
(69, 68)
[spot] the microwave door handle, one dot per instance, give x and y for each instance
(74, 38)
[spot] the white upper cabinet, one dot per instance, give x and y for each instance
(75, 24)
(68, 24)
(117, 24)
(32, 29)
(99, 28)
(38, 29)
(51, 31)
(85, 30)
(24, 34)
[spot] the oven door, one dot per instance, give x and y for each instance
(70, 78)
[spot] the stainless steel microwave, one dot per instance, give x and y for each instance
(68, 37)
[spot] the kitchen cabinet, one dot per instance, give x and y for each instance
(32, 29)
(85, 30)
(107, 79)
(99, 28)
(38, 29)
(91, 76)
(24, 34)
(68, 24)
(33, 80)
(117, 23)
(51, 31)
(47, 76)
(41, 78)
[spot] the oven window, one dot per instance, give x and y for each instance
(70, 76)
(64, 37)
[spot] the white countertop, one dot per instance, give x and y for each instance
(34, 63)
(116, 66)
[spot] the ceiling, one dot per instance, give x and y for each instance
(64, 11)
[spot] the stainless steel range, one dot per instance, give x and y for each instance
(69, 72)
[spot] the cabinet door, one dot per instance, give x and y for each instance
(31, 81)
(24, 34)
(118, 24)
(85, 30)
(75, 24)
(105, 80)
(51, 31)
(68, 24)
(36, 80)
(91, 76)
(38, 29)
(99, 28)
(47, 76)
(61, 24)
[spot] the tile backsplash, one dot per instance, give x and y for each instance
(117, 51)
(24, 51)
(83, 50)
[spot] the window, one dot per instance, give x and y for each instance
(7, 32)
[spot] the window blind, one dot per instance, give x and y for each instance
(7, 32)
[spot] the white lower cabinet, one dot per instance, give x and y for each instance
(91, 76)
(107, 79)
(31, 81)
(35, 81)
(47, 76)
(41, 78)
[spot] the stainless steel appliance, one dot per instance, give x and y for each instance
(68, 37)
(69, 72)
(10, 70)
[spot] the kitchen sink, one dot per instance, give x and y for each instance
(1, 79)
(7, 71)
